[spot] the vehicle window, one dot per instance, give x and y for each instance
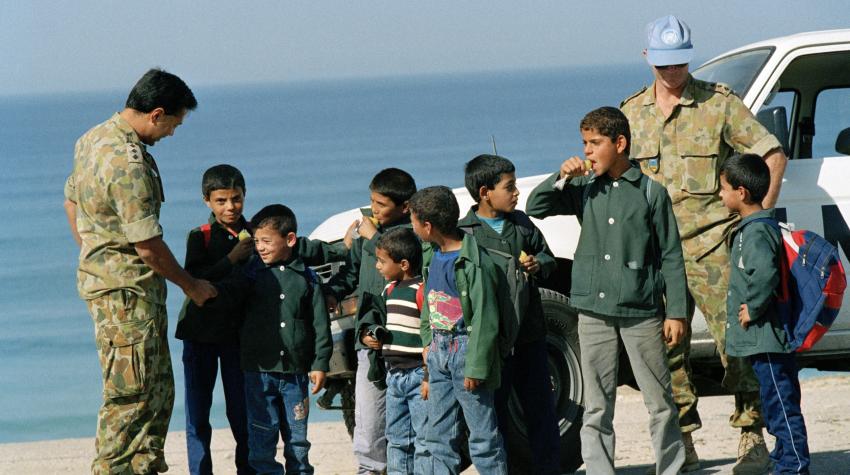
(832, 115)
(737, 71)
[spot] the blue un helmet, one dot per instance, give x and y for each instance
(669, 42)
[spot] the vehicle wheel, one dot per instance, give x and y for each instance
(565, 370)
(346, 396)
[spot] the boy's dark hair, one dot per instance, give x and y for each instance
(158, 88)
(610, 122)
(402, 243)
(277, 217)
(485, 170)
(750, 171)
(438, 206)
(222, 177)
(395, 184)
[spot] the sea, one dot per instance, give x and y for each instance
(313, 146)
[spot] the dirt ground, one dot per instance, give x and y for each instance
(826, 407)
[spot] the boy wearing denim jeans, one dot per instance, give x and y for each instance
(392, 326)
(285, 340)
(628, 283)
(754, 327)
(460, 328)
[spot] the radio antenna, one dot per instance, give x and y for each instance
(493, 138)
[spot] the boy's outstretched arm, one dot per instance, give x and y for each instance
(345, 281)
(315, 252)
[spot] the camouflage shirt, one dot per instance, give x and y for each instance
(116, 186)
(685, 152)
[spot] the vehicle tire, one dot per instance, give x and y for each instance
(346, 396)
(565, 371)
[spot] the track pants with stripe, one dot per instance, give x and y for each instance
(780, 400)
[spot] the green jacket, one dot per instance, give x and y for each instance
(753, 280)
(628, 262)
(518, 234)
(359, 272)
(476, 277)
(286, 327)
(209, 261)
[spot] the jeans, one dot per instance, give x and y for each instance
(200, 368)
(642, 337)
(407, 419)
(780, 402)
(526, 373)
(370, 440)
(446, 363)
(278, 403)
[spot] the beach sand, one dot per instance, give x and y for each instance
(826, 407)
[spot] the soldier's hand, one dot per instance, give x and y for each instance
(674, 331)
(471, 384)
(241, 251)
(573, 167)
(318, 380)
(200, 291)
(744, 316)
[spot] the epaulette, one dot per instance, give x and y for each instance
(643, 89)
(717, 87)
(134, 153)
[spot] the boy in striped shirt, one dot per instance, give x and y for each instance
(392, 326)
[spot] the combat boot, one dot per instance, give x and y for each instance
(691, 458)
(753, 458)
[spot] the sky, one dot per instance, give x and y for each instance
(83, 45)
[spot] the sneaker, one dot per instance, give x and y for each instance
(691, 457)
(753, 458)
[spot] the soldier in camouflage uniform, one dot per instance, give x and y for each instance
(113, 198)
(683, 130)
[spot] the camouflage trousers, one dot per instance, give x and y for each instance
(708, 280)
(138, 384)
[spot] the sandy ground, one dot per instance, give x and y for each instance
(826, 406)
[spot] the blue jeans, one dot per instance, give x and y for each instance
(200, 368)
(446, 363)
(780, 403)
(278, 403)
(526, 373)
(407, 418)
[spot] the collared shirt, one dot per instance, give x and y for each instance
(685, 152)
(116, 186)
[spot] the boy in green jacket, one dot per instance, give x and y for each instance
(628, 283)
(285, 340)
(754, 327)
(460, 332)
(516, 245)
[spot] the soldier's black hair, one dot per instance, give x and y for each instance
(278, 217)
(485, 170)
(402, 243)
(610, 122)
(222, 177)
(158, 88)
(436, 205)
(750, 171)
(395, 184)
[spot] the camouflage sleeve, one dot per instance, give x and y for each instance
(743, 132)
(132, 194)
(70, 189)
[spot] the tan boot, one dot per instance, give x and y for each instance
(753, 458)
(691, 457)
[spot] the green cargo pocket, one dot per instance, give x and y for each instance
(129, 347)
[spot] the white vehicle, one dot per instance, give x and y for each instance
(799, 87)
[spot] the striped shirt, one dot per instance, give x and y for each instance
(403, 300)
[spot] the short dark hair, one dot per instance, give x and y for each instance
(277, 217)
(610, 122)
(158, 88)
(222, 177)
(485, 170)
(402, 243)
(395, 184)
(436, 205)
(750, 171)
